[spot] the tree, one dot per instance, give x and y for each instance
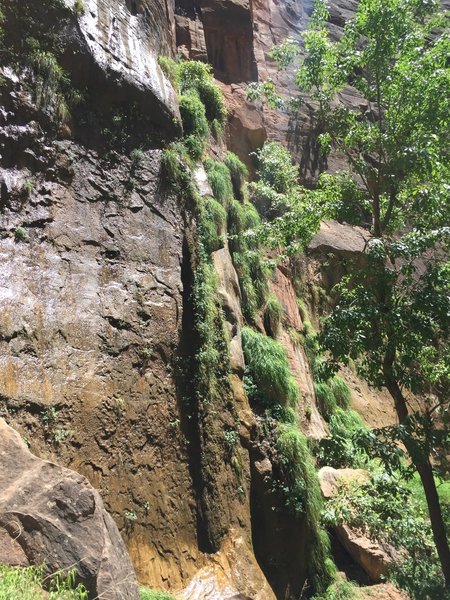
(393, 314)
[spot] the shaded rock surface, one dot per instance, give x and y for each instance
(57, 518)
(91, 302)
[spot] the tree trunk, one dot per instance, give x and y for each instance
(425, 471)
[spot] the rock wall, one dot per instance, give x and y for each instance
(95, 284)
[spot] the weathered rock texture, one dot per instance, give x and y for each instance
(56, 517)
(116, 44)
(90, 317)
(95, 296)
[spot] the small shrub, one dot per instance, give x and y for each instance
(238, 172)
(340, 391)
(193, 115)
(341, 449)
(170, 69)
(79, 8)
(301, 490)
(268, 370)
(174, 165)
(194, 146)
(282, 414)
(21, 234)
(136, 156)
(27, 583)
(252, 269)
(231, 438)
(340, 589)
(275, 168)
(273, 314)
(196, 76)
(29, 186)
(326, 401)
(220, 181)
(212, 223)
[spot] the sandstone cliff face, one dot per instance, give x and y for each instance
(95, 285)
(92, 295)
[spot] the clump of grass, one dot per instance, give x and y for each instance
(341, 391)
(193, 115)
(146, 594)
(341, 448)
(79, 8)
(326, 401)
(238, 172)
(21, 235)
(212, 224)
(301, 490)
(170, 69)
(273, 314)
(243, 222)
(268, 376)
(220, 181)
(197, 76)
(28, 583)
(340, 589)
(332, 394)
(175, 168)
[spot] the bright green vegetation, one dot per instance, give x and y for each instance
(219, 178)
(391, 318)
(201, 102)
(290, 212)
(342, 448)
(248, 259)
(273, 313)
(302, 496)
(340, 589)
(332, 394)
(212, 224)
(387, 511)
(28, 583)
(239, 174)
(268, 378)
(146, 594)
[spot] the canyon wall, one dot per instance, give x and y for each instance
(96, 282)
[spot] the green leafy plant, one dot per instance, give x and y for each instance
(79, 8)
(212, 224)
(391, 317)
(273, 314)
(21, 234)
(193, 115)
(238, 172)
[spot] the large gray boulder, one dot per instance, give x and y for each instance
(52, 515)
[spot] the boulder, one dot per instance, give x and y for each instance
(330, 479)
(373, 557)
(231, 574)
(52, 515)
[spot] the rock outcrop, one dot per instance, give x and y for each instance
(373, 557)
(56, 517)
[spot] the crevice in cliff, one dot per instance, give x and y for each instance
(188, 408)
